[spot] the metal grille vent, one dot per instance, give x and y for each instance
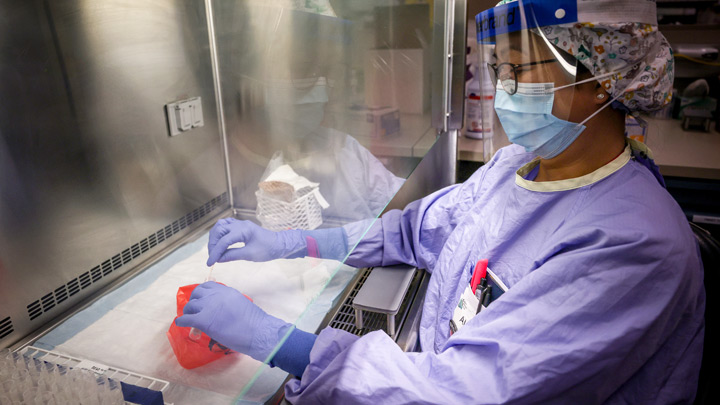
(345, 317)
(86, 279)
(6, 327)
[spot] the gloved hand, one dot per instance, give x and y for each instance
(225, 315)
(260, 244)
(263, 245)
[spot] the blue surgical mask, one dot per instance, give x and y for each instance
(527, 118)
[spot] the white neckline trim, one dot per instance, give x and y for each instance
(570, 184)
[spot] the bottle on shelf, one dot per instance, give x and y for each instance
(479, 106)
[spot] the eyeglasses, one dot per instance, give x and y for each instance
(507, 73)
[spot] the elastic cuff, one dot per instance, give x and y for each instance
(312, 247)
(294, 355)
(331, 242)
(293, 244)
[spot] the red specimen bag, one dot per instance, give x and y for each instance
(192, 353)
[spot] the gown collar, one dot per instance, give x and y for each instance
(576, 182)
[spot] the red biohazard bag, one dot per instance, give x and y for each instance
(193, 353)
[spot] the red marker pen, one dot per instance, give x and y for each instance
(479, 274)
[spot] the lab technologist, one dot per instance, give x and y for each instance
(604, 297)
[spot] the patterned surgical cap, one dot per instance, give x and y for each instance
(619, 47)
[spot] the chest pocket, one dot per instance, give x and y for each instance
(466, 308)
(496, 286)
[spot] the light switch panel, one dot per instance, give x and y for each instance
(184, 115)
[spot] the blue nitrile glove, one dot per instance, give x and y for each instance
(263, 245)
(225, 315)
(260, 244)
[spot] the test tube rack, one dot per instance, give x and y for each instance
(37, 376)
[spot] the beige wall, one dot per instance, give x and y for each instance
(476, 6)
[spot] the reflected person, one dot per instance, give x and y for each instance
(282, 115)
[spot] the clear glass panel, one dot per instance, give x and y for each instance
(340, 92)
(494, 136)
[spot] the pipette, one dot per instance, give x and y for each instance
(195, 333)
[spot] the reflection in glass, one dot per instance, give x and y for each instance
(295, 85)
(334, 100)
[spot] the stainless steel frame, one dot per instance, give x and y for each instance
(91, 183)
(449, 36)
(218, 95)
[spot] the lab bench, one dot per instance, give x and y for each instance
(688, 160)
(677, 152)
(681, 153)
(414, 138)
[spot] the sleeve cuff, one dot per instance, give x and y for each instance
(294, 355)
(328, 243)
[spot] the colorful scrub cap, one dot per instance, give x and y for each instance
(604, 42)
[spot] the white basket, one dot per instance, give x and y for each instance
(277, 215)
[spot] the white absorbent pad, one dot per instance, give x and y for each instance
(127, 327)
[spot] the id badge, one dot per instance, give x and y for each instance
(465, 310)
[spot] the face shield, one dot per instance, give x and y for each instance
(536, 47)
(533, 79)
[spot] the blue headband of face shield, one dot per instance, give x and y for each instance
(526, 14)
(522, 15)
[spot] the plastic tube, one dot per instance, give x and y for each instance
(195, 333)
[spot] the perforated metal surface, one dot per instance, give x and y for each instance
(345, 317)
(6, 327)
(85, 280)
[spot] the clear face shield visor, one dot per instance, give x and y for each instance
(522, 62)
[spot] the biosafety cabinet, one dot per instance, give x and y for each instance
(128, 128)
